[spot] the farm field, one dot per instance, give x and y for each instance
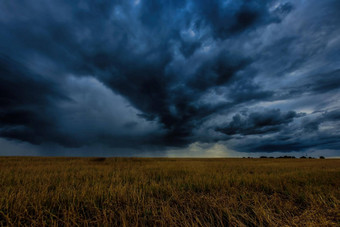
(169, 192)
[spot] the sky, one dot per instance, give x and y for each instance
(181, 78)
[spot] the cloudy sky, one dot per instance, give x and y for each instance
(170, 78)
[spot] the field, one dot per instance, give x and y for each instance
(169, 192)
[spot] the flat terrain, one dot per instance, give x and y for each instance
(169, 192)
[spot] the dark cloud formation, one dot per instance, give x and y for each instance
(149, 75)
(259, 122)
(25, 112)
(319, 132)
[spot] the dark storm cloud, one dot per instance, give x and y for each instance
(25, 112)
(141, 77)
(154, 73)
(324, 82)
(291, 144)
(31, 109)
(258, 122)
(229, 17)
(317, 133)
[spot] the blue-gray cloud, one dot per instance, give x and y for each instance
(153, 74)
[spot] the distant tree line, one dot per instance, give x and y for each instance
(288, 156)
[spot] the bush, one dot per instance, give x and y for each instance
(286, 156)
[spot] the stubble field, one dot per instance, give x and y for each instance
(169, 192)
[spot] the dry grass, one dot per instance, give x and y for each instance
(169, 192)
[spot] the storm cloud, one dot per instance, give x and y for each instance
(259, 123)
(154, 76)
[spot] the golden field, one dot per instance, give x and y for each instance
(169, 192)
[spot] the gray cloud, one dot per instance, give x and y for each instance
(308, 132)
(159, 74)
(258, 122)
